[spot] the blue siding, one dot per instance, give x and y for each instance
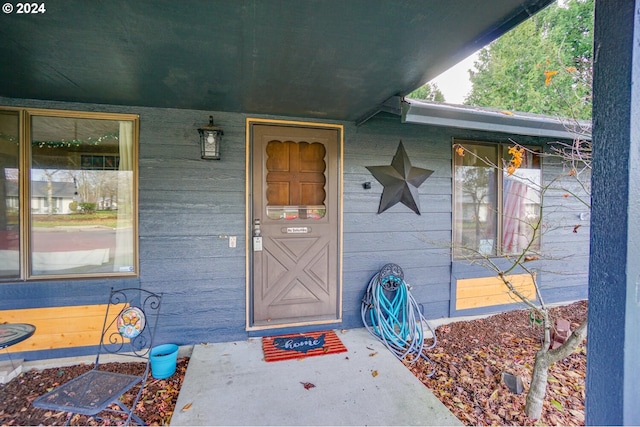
(418, 243)
(187, 207)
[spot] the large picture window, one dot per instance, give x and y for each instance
(69, 184)
(495, 212)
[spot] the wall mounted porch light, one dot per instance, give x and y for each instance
(210, 140)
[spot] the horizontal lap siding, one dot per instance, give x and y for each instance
(417, 243)
(420, 243)
(565, 264)
(59, 293)
(188, 207)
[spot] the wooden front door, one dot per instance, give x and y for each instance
(295, 224)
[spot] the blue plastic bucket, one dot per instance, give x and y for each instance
(163, 361)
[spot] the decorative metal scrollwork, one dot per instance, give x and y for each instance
(391, 276)
(135, 308)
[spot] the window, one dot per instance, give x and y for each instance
(68, 194)
(494, 212)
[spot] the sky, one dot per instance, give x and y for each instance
(454, 83)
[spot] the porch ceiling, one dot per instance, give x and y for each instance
(333, 59)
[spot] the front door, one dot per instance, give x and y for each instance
(295, 224)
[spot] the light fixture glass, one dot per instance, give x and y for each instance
(210, 140)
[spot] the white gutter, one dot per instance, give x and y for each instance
(480, 118)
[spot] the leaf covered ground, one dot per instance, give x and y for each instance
(470, 357)
(155, 407)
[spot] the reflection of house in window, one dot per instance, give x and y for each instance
(107, 203)
(495, 213)
(83, 161)
(62, 194)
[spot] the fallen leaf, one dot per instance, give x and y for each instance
(488, 372)
(467, 385)
(373, 354)
(374, 373)
(557, 404)
(573, 374)
(307, 386)
(578, 414)
(187, 407)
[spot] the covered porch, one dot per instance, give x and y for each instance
(342, 63)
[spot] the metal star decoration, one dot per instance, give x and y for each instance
(400, 181)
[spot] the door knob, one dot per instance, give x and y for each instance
(256, 227)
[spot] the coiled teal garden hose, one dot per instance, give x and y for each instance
(390, 313)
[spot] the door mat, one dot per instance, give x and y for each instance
(296, 346)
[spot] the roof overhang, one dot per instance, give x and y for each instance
(324, 59)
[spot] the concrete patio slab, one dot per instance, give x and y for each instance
(231, 384)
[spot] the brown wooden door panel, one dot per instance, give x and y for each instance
(295, 173)
(295, 285)
(295, 184)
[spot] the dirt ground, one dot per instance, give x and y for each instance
(469, 359)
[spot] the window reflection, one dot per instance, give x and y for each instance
(81, 189)
(296, 212)
(488, 222)
(475, 212)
